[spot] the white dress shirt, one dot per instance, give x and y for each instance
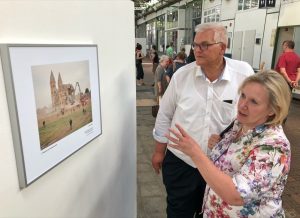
(201, 107)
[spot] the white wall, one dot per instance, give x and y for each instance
(289, 14)
(228, 9)
(269, 40)
(99, 180)
(229, 24)
(211, 4)
(255, 20)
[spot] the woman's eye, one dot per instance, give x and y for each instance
(253, 101)
(243, 95)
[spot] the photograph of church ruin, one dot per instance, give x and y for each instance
(63, 99)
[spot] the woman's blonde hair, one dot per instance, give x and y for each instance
(278, 91)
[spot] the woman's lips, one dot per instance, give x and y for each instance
(242, 114)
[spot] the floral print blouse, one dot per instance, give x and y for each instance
(258, 163)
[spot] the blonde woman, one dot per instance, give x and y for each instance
(247, 170)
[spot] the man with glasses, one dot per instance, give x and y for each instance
(202, 98)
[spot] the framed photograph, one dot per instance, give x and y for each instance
(54, 102)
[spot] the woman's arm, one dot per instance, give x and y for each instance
(139, 55)
(168, 78)
(159, 87)
(220, 182)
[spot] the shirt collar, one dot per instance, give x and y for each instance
(225, 75)
(255, 131)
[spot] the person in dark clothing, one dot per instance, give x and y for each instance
(177, 63)
(155, 60)
(191, 57)
(138, 63)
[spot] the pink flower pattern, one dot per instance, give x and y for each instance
(258, 163)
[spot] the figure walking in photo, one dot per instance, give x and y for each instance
(70, 122)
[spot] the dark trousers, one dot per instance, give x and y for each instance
(291, 89)
(139, 71)
(185, 187)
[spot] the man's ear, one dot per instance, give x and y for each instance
(223, 48)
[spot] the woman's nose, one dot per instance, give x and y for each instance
(243, 104)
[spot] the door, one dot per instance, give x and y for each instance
(237, 45)
(248, 48)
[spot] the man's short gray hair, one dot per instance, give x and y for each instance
(163, 58)
(219, 30)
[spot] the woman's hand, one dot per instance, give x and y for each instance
(183, 142)
(213, 140)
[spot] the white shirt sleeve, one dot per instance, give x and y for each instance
(167, 108)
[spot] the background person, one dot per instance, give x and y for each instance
(176, 64)
(191, 57)
(160, 77)
(249, 166)
(170, 50)
(201, 97)
(155, 60)
(138, 63)
(288, 64)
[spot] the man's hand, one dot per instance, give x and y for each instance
(213, 140)
(157, 159)
(158, 156)
(294, 84)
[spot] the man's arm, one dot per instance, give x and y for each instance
(284, 74)
(297, 78)
(159, 87)
(158, 156)
(162, 125)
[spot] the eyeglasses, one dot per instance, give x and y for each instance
(203, 46)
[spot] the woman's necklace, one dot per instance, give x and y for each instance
(244, 132)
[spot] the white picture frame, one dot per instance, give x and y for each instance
(53, 95)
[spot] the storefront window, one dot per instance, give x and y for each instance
(192, 19)
(172, 37)
(247, 4)
(212, 14)
(140, 31)
(160, 26)
(172, 19)
(151, 33)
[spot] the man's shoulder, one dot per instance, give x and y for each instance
(238, 66)
(183, 72)
(186, 68)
